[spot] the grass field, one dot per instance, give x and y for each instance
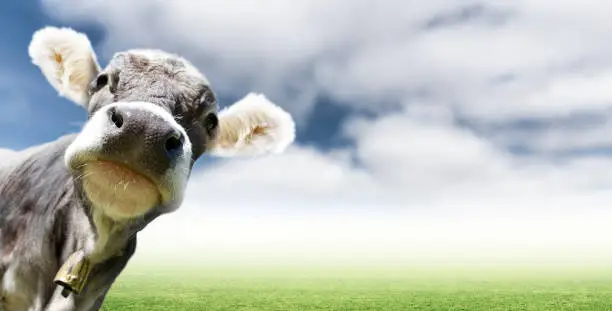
(145, 288)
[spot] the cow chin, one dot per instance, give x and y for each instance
(120, 192)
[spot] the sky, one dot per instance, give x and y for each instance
(438, 131)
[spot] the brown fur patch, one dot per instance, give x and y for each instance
(259, 130)
(58, 57)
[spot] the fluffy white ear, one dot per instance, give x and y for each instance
(66, 59)
(253, 126)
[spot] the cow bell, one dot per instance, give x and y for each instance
(73, 274)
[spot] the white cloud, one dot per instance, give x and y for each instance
(547, 59)
(423, 192)
(422, 184)
(558, 139)
(358, 50)
(365, 52)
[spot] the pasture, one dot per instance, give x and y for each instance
(371, 288)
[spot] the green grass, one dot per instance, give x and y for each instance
(145, 288)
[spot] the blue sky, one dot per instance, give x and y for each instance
(34, 113)
(431, 128)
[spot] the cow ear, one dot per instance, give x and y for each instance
(67, 60)
(253, 126)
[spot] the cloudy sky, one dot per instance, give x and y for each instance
(439, 130)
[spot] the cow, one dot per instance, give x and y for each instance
(71, 209)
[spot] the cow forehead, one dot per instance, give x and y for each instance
(158, 74)
(151, 60)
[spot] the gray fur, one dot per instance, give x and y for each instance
(45, 216)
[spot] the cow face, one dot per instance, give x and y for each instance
(151, 115)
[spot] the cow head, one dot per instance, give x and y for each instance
(151, 115)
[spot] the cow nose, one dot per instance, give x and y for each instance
(116, 117)
(174, 144)
(143, 135)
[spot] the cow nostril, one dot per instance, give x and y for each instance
(174, 142)
(116, 117)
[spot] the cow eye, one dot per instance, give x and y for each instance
(211, 122)
(100, 82)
